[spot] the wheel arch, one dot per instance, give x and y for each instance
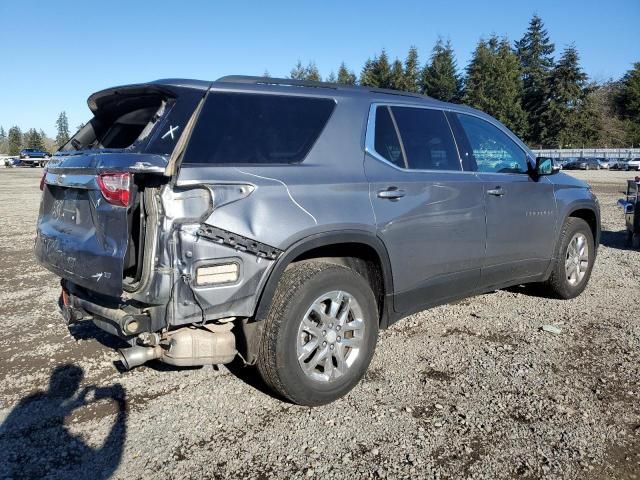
(332, 245)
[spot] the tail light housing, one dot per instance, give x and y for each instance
(115, 188)
(44, 175)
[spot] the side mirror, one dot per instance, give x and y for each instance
(545, 166)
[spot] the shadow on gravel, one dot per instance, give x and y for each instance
(614, 239)
(251, 377)
(35, 441)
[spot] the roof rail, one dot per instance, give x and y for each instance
(311, 83)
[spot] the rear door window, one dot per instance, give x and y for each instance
(427, 139)
(387, 144)
(245, 128)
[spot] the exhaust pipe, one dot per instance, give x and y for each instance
(214, 344)
(135, 356)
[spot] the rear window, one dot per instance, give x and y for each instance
(257, 128)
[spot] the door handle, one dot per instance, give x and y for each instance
(496, 192)
(391, 193)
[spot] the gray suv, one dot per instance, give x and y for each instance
(282, 223)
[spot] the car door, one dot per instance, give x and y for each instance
(520, 208)
(429, 213)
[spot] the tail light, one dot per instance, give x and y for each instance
(44, 175)
(115, 188)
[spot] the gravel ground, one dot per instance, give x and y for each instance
(470, 390)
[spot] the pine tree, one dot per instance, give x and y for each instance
(298, 72)
(440, 79)
(535, 53)
(382, 71)
(628, 103)
(494, 84)
(396, 77)
(3, 141)
(566, 117)
(412, 71)
(312, 72)
(62, 124)
(33, 139)
(367, 75)
(266, 73)
(331, 78)
(346, 76)
(14, 140)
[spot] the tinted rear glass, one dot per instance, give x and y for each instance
(254, 128)
(427, 139)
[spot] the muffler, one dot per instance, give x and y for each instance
(188, 346)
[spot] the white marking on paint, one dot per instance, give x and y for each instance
(170, 132)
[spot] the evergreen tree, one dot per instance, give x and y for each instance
(382, 71)
(494, 84)
(535, 53)
(62, 124)
(412, 71)
(298, 72)
(628, 103)
(266, 73)
(33, 139)
(367, 76)
(312, 72)
(3, 141)
(440, 79)
(346, 76)
(14, 140)
(567, 119)
(396, 76)
(331, 78)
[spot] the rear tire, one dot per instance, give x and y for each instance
(320, 333)
(574, 260)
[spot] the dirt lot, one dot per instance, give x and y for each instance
(471, 390)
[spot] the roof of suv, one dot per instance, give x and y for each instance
(342, 90)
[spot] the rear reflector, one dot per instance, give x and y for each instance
(115, 188)
(217, 274)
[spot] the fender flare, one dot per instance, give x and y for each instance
(322, 240)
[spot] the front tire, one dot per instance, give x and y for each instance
(320, 333)
(574, 260)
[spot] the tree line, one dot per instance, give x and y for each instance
(547, 101)
(14, 140)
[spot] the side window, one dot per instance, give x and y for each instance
(426, 138)
(387, 144)
(257, 128)
(492, 150)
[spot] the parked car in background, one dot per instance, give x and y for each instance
(619, 164)
(583, 164)
(633, 164)
(33, 157)
(603, 163)
(217, 228)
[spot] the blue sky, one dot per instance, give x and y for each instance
(57, 53)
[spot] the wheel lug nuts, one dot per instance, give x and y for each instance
(324, 344)
(331, 325)
(338, 327)
(338, 339)
(324, 332)
(331, 346)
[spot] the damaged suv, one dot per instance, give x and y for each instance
(285, 222)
